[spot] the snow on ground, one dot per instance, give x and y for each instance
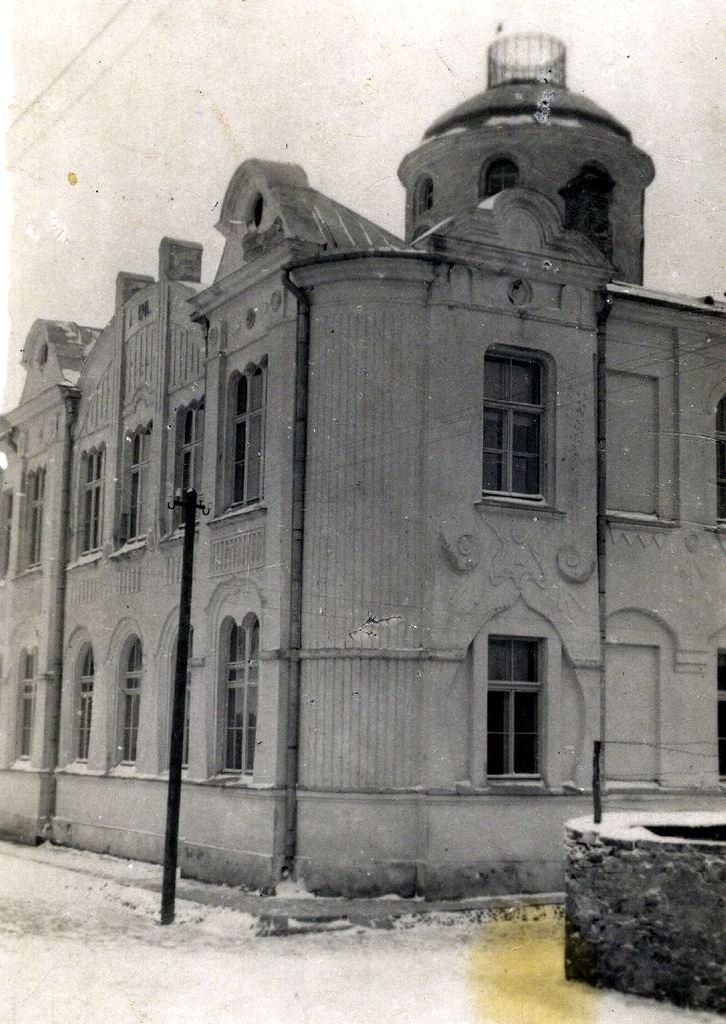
(80, 943)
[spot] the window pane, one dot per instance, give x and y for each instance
(494, 429)
(721, 416)
(254, 470)
(240, 452)
(498, 733)
(499, 659)
(525, 733)
(242, 395)
(525, 433)
(189, 426)
(721, 670)
(251, 727)
(525, 383)
(524, 661)
(492, 472)
(722, 737)
(256, 390)
(494, 378)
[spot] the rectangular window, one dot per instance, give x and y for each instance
(721, 460)
(27, 704)
(512, 455)
(92, 502)
(248, 437)
(35, 497)
(721, 688)
(137, 479)
(131, 697)
(85, 705)
(513, 710)
(242, 679)
(6, 522)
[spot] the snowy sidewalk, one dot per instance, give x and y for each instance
(81, 943)
(291, 909)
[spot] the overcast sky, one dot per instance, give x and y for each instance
(150, 105)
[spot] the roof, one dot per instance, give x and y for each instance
(515, 99)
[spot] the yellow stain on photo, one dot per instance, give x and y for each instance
(515, 971)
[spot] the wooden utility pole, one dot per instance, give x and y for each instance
(176, 747)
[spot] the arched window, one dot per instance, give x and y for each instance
(187, 695)
(587, 206)
(497, 175)
(423, 195)
(27, 702)
(85, 703)
(241, 675)
(92, 501)
(721, 460)
(35, 496)
(6, 524)
(248, 436)
(131, 701)
(189, 445)
(132, 521)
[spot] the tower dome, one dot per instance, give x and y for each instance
(528, 130)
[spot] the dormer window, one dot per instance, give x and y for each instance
(496, 176)
(587, 206)
(42, 357)
(255, 210)
(423, 195)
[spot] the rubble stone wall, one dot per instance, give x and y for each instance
(645, 914)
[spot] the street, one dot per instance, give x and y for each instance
(80, 943)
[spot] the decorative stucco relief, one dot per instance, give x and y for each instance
(646, 538)
(515, 558)
(574, 565)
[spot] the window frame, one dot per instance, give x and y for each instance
(132, 666)
(720, 438)
(189, 453)
(27, 701)
(513, 687)
(187, 700)
(35, 496)
(512, 408)
(7, 501)
(239, 741)
(84, 702)
(243, 421)
(91, 505)
(423, 195)
(507, 170)
(136, 481)
(721, 711)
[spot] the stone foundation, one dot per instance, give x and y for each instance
(644, 911)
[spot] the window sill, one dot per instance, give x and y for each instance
(237, 511)
(232, 780)
(137, 544)
(518, 785)
(532, 506)
(123, 771)
(88, 559)
(32, 570)
(638, 519)
(23, 765)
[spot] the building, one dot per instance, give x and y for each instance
(468, 502)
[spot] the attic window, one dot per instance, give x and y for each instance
(144, 310)
(255, 209)
(42, 357)
(423, 195)
(587, 205)
(495, 177)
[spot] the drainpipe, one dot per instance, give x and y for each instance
(71, 405)
(604, 309)
(299, 454)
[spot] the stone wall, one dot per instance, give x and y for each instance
(644, 913)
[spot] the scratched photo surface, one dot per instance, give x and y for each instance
(398, 608)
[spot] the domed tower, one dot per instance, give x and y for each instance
(529, 131)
